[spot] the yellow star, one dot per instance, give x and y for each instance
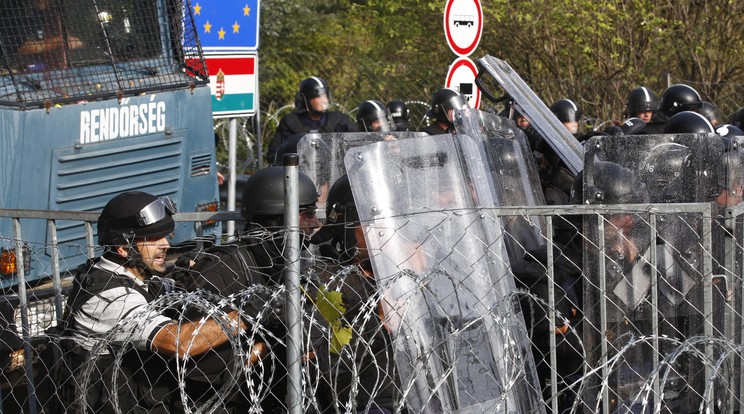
(207, 27)
(246, 10)
(236, 27)
(197, 9)
(222, 33)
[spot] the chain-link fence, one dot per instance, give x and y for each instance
(453, 330)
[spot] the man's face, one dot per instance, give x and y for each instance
(621, 243)
(522, 122)
(320, 103)
(645, 116)
(572, 127)
(153, 252)
(309, 221)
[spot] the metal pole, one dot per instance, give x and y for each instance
(231, 157)
(257, 120)
(292, 283)
(25, 323)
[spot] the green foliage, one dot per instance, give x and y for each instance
(593, 52)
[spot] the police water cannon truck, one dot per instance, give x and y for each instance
(97, 98)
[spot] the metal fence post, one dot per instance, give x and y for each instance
(292, 283)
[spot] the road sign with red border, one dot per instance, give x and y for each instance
(463, 25)
(461, 77)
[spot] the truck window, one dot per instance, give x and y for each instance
(68, 50)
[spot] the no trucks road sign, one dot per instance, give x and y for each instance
(461, 77)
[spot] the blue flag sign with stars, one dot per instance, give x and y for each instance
(227, 25)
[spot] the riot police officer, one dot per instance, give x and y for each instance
(569, 113)
(400, 113)
(312, 114)
(444, 103)
(674, 99)
(371, 368)
(642, 103)
(373, 116)
(254, 261)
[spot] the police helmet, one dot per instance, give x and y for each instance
(263, 193)
(444, 100)
(710, 111)
(134, 215)
(566, 110)
(641, 99)
(611, 183)
(311, 88)
(369, 112)
(729, 130)
(688, 122)
(678, 98)
(400, 113)
(738, 119)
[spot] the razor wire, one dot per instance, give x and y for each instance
(360, 353)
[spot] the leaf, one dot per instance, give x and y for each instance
(330, 304)
(340, 338)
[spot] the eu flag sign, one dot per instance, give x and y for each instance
(227, 25)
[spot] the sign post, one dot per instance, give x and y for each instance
(228, 32)
(463, 27)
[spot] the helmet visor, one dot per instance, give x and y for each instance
(156, 211)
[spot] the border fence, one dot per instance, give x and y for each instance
(416, 341)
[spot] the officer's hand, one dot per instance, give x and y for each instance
(261, 304)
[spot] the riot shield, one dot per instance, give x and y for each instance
(567, 147)
(648, 279)
(460, 341)
(322, 155)
(513, 176)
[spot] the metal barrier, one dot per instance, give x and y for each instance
(656, 332)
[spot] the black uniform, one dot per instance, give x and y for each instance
(298, 123)
(229, 270)
(435, 129)
(567, 278)
(377, 384)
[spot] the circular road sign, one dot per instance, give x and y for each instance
(463, 25)
(461, 77)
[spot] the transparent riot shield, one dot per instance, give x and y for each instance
(322, 155)
(567, 147)
(646, 293)
(513, 176)
(460, 341)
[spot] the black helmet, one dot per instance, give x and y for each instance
(729, 130)
(688, 122)
(311, 88)
(738, 119)
(400, 113)
(444, 100)
(368, 112)
(341, 219)
(566, 110)
(133, 215)
(678, 98)
(611, 183)
(710, 111)
(263, 193)
(640, 100)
